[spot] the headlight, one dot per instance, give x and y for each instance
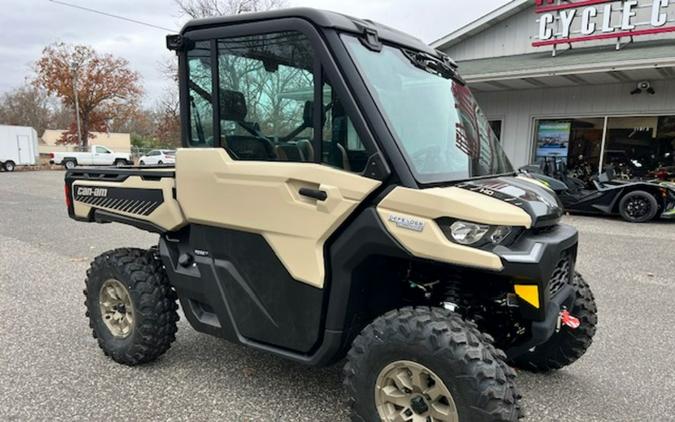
(499, 234)
(467, 233)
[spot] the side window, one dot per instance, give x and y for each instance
(342, 146)
(199, 87)
(266, 97)
(101, 150)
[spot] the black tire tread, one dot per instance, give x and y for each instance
(495, 397)
(566, 346)
(156, 313)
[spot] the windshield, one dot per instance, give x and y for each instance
(442, 132)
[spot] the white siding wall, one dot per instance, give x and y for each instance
(510, 37)
(515, 35)
(519, 109)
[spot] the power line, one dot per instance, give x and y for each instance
(75, 6)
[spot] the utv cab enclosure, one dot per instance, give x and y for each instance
(340, 193)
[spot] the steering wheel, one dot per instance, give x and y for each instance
(427, 159)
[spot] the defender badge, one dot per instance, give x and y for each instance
(407, 223)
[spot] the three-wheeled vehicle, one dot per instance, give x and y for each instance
(636, 201)
(340, 194)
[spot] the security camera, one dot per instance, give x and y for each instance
(643, 86)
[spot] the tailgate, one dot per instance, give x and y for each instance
(144, 198)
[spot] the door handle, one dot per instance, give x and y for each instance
(317, 194)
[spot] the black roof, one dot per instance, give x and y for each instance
(320, 18)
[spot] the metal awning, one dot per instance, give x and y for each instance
(584, 66)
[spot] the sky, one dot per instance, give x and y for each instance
(29, 25)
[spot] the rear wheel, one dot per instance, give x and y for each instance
(10, 166)
(120, 163)
(638, 207)
(130, 305)
(69, 164)
(160, 162)
(427, 364)
(566, 345)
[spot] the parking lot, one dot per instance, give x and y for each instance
(51, 367)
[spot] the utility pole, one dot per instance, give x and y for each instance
(73, 68)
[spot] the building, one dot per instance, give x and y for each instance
(589, 81)
(118, 142)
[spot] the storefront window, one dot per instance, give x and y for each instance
(575, 143)
(640, 147)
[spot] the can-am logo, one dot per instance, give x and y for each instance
(566, 22)
(97, 192)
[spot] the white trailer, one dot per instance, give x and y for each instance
(18, 147)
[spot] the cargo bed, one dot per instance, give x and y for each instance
(144, 197)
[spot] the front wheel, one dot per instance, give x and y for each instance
(638, 207)
(568, 344)
(130, 306)
(428, 364)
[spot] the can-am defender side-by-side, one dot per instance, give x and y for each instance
(340, 194)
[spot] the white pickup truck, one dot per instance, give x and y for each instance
(96, 156)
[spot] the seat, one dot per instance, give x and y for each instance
(254, 147)
(290, 152)
(333, 152)
(335, 155)
(250, 148)
(599, 181)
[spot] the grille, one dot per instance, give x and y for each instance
(561, 274)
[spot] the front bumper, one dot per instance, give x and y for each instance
(546, 259)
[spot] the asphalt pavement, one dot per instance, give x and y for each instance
(52, 369)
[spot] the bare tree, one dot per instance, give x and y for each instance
(32, 106)
(205, 8)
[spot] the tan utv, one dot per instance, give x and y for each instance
(340, 194)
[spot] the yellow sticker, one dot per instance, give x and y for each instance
(528, 293)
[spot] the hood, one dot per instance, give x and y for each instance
(541, 203)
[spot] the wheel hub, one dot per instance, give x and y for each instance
(419, 405)
(116, 308)
(637, 207)
(409, 391)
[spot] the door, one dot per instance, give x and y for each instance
(263, 205)
(24, 150)
(102, 156)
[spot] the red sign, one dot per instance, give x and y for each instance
(550, 5)
(571, 21)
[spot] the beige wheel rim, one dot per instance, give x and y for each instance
(407, 391)
(117, 310)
